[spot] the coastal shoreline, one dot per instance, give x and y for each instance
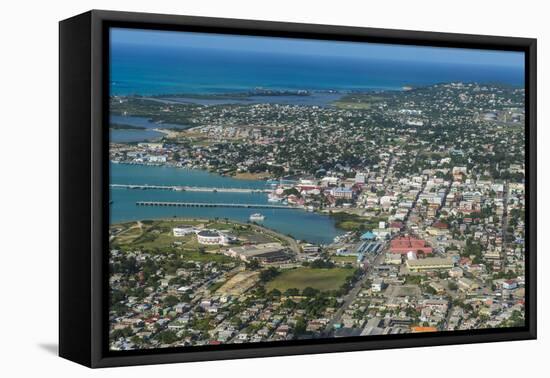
(168, 133)
(291, 240)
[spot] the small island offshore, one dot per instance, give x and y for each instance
(276, 213)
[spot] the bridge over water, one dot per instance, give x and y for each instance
(214, 204)
(188, 188)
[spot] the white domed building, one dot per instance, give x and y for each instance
(213, 237)
(209, 237)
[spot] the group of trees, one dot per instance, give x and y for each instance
(352, 279)
(269, 274)
(315, 305)
(320, 264)
(354, 222)
(118, 333)
(167, 337)
(274, 170)
(473, 248)
(517, 319)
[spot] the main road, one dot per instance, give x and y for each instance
(504, 224)
(352, 294)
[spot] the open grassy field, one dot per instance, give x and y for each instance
(300, 278)
(252, 176)
(216, 285)
(344, 259)
(158, 234)
(353, 222)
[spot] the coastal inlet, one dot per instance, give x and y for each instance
(131, 184)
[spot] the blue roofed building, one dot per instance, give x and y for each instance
(368, 236)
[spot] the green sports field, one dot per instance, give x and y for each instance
(300, 278)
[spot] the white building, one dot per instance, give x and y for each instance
(377, 285)
(393, 259)
(509, 284)
(181, 231)
(360, 178)
(456, 272)
(157, 159)
(211, 237)
(411, 255)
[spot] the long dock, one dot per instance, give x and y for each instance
(214, 204)
(178, 188)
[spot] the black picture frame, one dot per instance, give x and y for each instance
(83, 181)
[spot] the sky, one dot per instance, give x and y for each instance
(178, 39)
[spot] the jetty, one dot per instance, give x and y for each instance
(179, 188)
(215, 204)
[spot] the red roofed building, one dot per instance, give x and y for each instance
(441, 225)
(405, 244)
(465, 261)
(306, 187)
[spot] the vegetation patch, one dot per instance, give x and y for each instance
(344, 259)
(357, 101)
(353, 222)
(300, 278)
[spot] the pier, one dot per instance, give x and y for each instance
(178, 188)
(213, 204)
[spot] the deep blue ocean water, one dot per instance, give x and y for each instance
(169, 70)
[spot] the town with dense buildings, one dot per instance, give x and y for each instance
(426, 185)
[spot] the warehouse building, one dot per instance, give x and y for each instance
(429, 263)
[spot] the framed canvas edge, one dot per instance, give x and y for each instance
(99, 291)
